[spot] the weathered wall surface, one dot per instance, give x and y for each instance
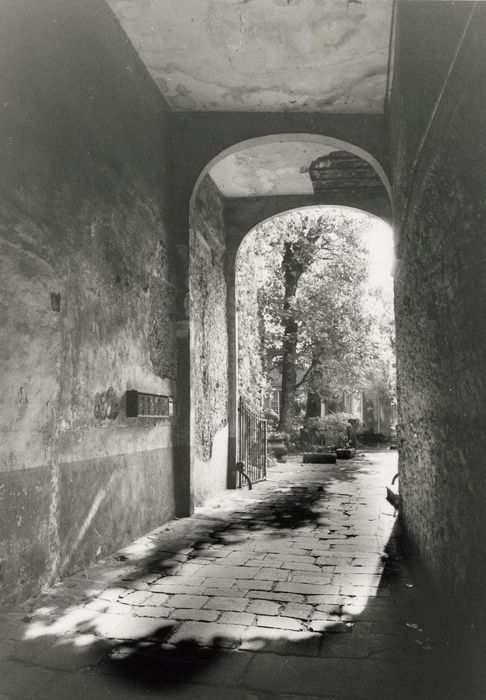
(244, 213)
(86, 293)
(352, 39)
(209, 341)
(251, 376)
(439, 179)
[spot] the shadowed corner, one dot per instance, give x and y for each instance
(153, 664)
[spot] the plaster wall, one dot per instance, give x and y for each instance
(440, 290)
(209, 342)
(210, 475)
(86, 292)
(244, 213)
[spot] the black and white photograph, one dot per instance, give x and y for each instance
(243, 349)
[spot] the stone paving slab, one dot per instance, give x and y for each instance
(369, 680)
(282, 592)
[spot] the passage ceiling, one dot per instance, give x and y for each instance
(278, 168)
(263, 55)
(292, 167)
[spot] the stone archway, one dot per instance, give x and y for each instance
(222, 212)
(327, 142)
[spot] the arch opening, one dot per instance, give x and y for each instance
(325, 142)
(339, 319)
(244, 185)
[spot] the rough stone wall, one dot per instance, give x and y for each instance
(439, 166)
(251, 377)
(86, 310)
(209, 340)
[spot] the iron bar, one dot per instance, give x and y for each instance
(252, 442)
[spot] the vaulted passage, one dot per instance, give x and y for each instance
(140, 142)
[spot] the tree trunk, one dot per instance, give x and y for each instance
(289, 375)
(293, 269)
(313, 406)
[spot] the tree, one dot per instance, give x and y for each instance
(320, 318)
(296, 259)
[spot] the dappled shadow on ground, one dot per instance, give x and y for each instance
(384, 642)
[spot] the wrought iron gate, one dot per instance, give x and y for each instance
(252, 442)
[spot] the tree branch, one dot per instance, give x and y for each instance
(306, 374)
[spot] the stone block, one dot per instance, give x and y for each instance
(187, 601)
(320, 578)
(298, 566)
(239, 559)
(347, 453)
(270, 640)
(181, 586)
(208, 634)
(264, 563)
(143, 628)
(233, 572)
(304, 558)
(103, 625)
(283, 623)
(236, 618)
(298, 610)
(326, 599)
(195, 614)
(275, 596)
(332, 558)
(306, 588)
(112, 594)
(157, 611)
(338, 678)
(219, 582)
(156, 599)
(270, 546)
(270, 574)
(254, 585)
(136, 597)
(227, 592)
(264, 607)
(330, 625)
(227, 603)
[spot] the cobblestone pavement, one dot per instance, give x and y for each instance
(292, 590)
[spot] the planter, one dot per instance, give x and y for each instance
(346, 453)
(319, 458)
(277, 446)
(351, 430)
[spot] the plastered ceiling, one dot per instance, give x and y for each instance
(278, 168)
(287, 167)
(263, 55)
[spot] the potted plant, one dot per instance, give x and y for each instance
(276, 444)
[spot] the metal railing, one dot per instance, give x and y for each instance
(252, 442)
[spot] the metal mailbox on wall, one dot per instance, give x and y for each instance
(142, 405)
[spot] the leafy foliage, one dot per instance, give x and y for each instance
(330, 430)
(342, 325)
